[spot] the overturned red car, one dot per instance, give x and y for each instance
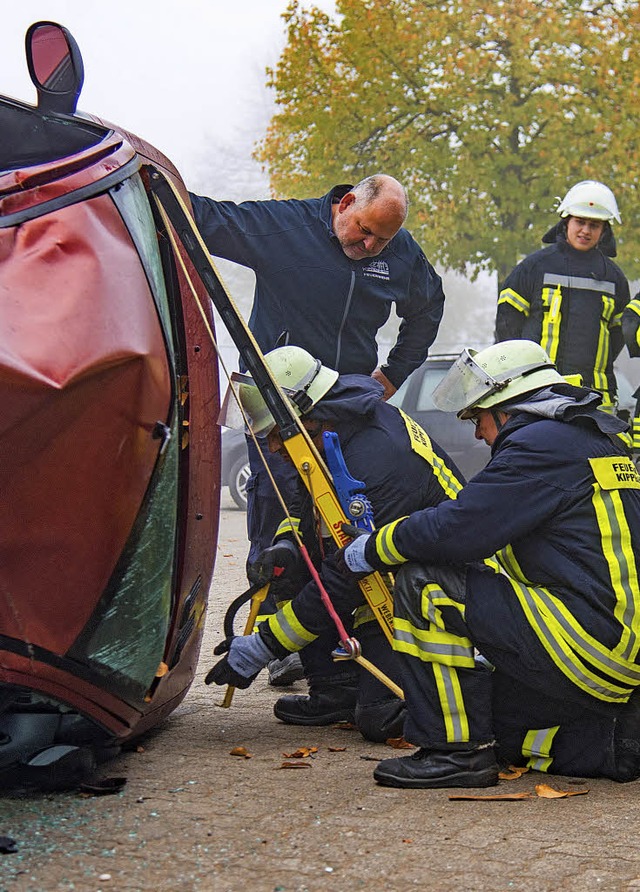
(109, 450)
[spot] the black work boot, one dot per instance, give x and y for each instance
(330, 700)
(626, 742)
(427, 769)
(381, 719)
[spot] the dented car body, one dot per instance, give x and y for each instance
(109, 451)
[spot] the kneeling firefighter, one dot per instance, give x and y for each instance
(403, 470)
(555, 612)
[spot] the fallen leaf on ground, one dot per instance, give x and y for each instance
(240, 751)
(302, 752)
(407, 840)
(513, 772)
(508, 797)
(544, 791)
(296, 765)
(337, 749)
(370, 758)
(399, 743)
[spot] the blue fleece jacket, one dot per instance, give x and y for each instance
(306, 285)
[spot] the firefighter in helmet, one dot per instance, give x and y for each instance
(375, 438)
(517, 606)
(569, 296)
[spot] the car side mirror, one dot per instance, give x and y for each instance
(55, 67)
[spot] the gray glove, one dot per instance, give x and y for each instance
(246, 656)
(350, 559)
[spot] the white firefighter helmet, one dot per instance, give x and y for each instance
(302, 378)
(592, 200)
(498, 374)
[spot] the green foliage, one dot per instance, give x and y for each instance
(486, 112)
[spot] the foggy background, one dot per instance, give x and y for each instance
(189, 78)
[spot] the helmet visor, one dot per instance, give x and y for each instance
(234, 402)
(243, 407)
(464, 385)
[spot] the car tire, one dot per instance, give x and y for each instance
(238, 477)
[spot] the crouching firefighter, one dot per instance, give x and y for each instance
(403, 470)
(555, 613)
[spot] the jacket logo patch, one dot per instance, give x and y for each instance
(377, 269)
(615, 473)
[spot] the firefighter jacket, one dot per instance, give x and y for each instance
(631, 333)
(309, 293)
(559, 506)
(631, 326)
(402, 470)
(570, 302)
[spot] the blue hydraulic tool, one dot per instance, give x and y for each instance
(353, 502)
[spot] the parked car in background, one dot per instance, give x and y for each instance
(235, 465)
(415, 398)
(457, 438)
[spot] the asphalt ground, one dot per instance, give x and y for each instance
(193, 817)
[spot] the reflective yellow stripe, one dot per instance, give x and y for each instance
(507, 560)
(548, 612)
(262, 617)
(386, 550)
(288, 630)
(512, 298)
(636, 430)
(434, 643)
(565, 642)
(454, 713)
(537, 747)
(618, 552)
(288, 525)
(634, 306)
(493, 564)
(433, 598)
(551, 320)
(421, 444)
(602, 353)
(626, 440)
(445, 651)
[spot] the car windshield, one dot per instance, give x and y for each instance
(424, 399)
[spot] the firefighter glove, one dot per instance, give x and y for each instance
(353, 555)
(285, 555)
(350, 566)
(246, 656)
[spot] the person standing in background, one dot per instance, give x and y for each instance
(328, 272)
(569, 296)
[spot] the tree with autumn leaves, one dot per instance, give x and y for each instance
(485, 111)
